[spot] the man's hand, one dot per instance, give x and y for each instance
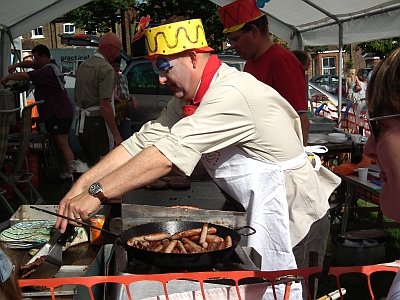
(78, 208)
(4, 80)
(118, 140)
(12, 68)
(134, 102)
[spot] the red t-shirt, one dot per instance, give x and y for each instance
(280, 69)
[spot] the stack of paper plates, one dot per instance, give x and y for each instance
(337, 137)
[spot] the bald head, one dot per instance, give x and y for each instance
(109, 46)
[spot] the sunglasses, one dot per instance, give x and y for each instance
(163, 65)
(374, 126)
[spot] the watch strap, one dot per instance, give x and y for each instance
(101, 197)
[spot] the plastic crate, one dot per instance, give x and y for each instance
(321, 125)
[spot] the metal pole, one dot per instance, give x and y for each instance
(340, 72)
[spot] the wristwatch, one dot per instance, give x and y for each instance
(96, 190)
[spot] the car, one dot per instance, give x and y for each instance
(152, 97)
(327, 82)
(323, 102)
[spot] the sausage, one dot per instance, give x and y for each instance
(228, 241)
(211, 238)
(192, 247)
(212, 246)
(158, 248)
(192, 232)
(156, 236)
(170, 246)
(221, 245)
(180, 247)
(203, 234)
(194, 238)
(142, 245)
(149, 237)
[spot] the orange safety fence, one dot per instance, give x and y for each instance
(272, 277)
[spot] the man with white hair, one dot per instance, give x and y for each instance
(94, 86)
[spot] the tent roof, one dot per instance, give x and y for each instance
(18, 17)
(316, 22)
(21, 16)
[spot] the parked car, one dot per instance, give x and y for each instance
(323, 102)
(326, 82)
(152, 97)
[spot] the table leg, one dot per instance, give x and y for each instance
(347, 205)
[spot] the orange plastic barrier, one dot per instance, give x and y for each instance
(235, 276)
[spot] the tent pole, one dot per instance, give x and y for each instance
(340, 73)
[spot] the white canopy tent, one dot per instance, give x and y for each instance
(331, 22)
(300, 22)
(18, 17)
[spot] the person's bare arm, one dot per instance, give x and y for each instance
(108, 115)
(16, 76)
(305, 126)
(134, 102)
(118, 173)
(23, 64)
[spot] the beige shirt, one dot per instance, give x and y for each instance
(242, 111)
(95, 80)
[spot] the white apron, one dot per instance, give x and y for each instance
(260, 187)
(81, 114)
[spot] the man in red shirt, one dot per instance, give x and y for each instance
(247, 30)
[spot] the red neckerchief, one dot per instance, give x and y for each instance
(211, 68)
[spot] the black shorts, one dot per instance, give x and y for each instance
(58, 126)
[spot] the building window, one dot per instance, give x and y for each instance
(329, 66)
(38, 33)
(69, 28)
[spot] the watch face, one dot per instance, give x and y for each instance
(95, 188)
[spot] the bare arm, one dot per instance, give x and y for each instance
(108, 115)
(305, 126)
(134, 102)
(16, 76)
(22, 64)
(123, 173)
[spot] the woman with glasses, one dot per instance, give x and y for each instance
(383, 102)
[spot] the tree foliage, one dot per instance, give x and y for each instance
(98, 15)
(102, 15)
(379, 48)
(207, 11)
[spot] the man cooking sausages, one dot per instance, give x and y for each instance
(247, 136)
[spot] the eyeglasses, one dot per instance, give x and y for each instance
(374, 126)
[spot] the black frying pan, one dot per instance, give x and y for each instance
(171, 260)
(174, 260)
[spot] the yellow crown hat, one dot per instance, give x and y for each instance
(176, 37)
